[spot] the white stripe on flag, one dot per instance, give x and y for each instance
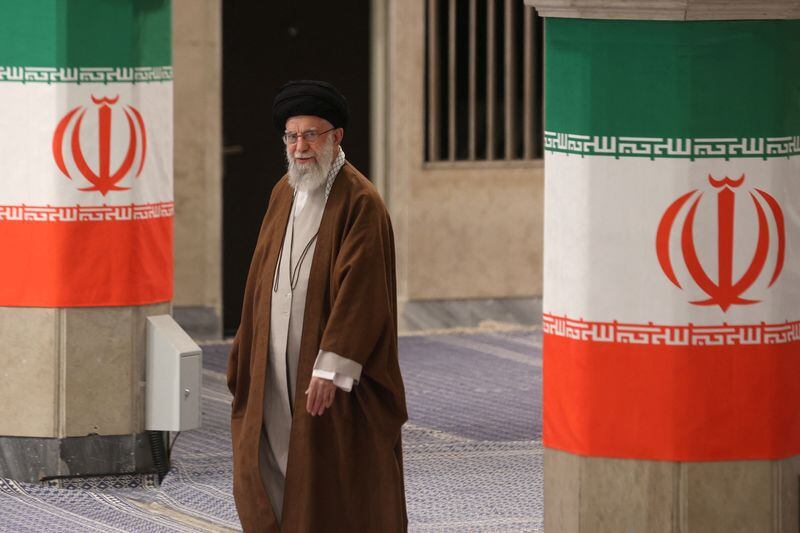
(29, 116)
(601, 219)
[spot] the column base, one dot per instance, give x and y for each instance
(612, 495)
(33, 459)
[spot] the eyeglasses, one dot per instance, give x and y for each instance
(309, 136)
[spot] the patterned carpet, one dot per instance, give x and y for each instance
(472, 451)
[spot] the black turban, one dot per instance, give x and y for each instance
(309, 97)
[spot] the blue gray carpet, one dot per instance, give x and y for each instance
(472, 451)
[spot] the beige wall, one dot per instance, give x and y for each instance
(197, 53)
(462, 230)
(475, 233)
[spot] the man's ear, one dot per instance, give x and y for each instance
(338, 135)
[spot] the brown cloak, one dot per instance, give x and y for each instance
(345, 470)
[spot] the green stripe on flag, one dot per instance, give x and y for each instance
(732, 79)
(85, 33)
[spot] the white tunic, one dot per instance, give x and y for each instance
(286, 329)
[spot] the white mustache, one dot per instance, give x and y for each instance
(303, 155)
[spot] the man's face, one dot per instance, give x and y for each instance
(310, 161)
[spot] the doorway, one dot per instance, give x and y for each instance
(266, 44)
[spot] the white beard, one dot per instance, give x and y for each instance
(312, 175)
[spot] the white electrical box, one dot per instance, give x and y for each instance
(174, 377)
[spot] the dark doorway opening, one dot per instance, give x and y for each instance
(266, 44)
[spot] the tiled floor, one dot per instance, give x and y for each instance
(472, 454)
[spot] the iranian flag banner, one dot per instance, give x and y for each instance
(86, 196)
(672, 239)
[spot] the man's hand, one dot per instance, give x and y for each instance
(320, 396)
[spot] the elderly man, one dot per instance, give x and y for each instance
(318, 400)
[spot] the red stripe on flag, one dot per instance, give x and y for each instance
(78, 264)
(675, 403)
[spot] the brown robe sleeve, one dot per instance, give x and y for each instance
(361, 324)
(235, 375)
(233, 365)
(363, 282)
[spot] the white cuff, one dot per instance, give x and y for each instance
(343, 382)
(342, 371)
